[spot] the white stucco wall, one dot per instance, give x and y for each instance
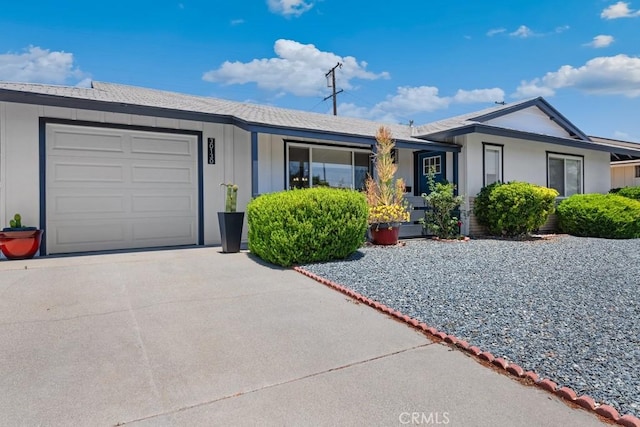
(530, 119)
(271, 167)
(527, 161)
(524, 161)
(19, 159)
(624, 176)
(404, 161)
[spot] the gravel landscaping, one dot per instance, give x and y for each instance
(567, 308)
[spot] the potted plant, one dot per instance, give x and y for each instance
(231, 221)
(19, 242)
(385, 194)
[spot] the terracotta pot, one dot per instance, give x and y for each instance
(385, 234)
(23, 244)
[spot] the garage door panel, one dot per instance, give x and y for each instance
(88, 171)
(161, 146)
(87, 142)
(163, 229)
(163, 203)
(162, 174)
(103, 196)
(88, 204)
(93, 233)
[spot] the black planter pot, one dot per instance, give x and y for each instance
(230, 230)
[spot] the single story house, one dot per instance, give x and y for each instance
(121, 167)
(625, 168)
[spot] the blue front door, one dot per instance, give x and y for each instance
(426, 161)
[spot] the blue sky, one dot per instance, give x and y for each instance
(414, 60)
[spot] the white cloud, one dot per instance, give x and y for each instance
(37, 65)
(562, 29)
(606, 75)
(619, 10)
(624, 136)
(621, 135)
(523, 32)
(289, 7)
(84, 83)
(237, 21)
(478, 96)
(601, 41)
(299, 69)
(408, 101)
(492, 32)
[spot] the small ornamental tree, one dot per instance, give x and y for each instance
(441, 202)
(385, 195)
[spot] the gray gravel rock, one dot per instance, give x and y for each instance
(567, 308)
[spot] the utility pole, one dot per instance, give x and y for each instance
(332, 84)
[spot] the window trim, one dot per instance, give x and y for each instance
(437, 170)
(500, 149)
(637, 171)
(564, 156)
(310, 146)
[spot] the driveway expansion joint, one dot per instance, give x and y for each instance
(291, 381)
(566, 394)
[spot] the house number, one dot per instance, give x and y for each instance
(212, 150)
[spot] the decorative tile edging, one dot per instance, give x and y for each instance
(501, 364)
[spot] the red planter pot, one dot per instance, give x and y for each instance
(20, 244)
(385, 234)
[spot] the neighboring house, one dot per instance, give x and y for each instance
(120, 167)
(625, 168)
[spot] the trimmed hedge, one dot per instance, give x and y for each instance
(630, 192)
(600, 215)
(514, 208)
(310, 225)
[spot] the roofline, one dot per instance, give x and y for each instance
(541, 103)
(622, 163)
(496, 131)
(9, 95)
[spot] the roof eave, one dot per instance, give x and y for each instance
(510, 133)
(541, 103)
(32, 98)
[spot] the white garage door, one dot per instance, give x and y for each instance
(119, 189)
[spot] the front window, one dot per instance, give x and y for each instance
(492, 164)
(565, 174)
(637, 171)
(311, 166)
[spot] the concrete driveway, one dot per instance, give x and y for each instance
(195, 337)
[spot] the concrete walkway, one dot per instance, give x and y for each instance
(194, 337)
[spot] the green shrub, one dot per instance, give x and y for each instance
(600, 215)
(514, 208)
(630, 192)
(300, 226)
(442, 203)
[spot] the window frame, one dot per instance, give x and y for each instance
(310, 146)
(500, 149)
(566, 156)
(437, 168)
(637, 171)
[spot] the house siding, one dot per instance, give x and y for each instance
(523, 161)
(624, 176)
(20, 162)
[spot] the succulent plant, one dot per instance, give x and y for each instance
(231, 200)
(16, 222)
